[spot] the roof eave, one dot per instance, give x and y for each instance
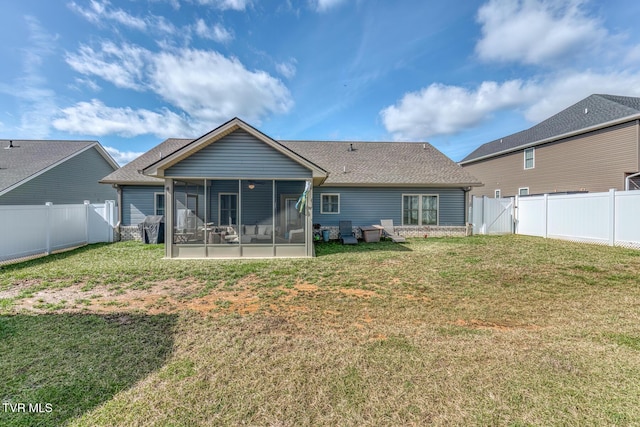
(554, 138)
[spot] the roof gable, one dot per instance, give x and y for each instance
(582, 116)
(157, 169)
(28, 159)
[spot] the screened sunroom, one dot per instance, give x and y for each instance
(223, 218)
(235, 192)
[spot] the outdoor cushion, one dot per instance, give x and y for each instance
(264, 230)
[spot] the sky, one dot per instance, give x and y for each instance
(132, 73)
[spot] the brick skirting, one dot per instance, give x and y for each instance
(129, 232)
(413, 231)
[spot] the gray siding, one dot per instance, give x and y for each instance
(238, 154)
(71, 182)
(367, 206)
(137, 202)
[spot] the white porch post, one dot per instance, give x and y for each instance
(309, 218)
(168, 218)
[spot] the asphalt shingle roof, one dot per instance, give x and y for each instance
(591, 111)
(382, 163)
(373, 163)
(28, 157)
(129, 173)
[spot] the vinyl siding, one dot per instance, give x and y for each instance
(71, 182)
(592, 162)
(138, 202)
(238, 154)
(367, 206)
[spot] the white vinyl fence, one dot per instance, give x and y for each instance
(42, 229)
(611, 218)
(492, 216)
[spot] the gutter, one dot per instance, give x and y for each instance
(554, 138)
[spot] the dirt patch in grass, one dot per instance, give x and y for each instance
(481, 324)
(362, 293)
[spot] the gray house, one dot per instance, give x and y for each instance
(61, 172)
(593, 145)
(235, 192)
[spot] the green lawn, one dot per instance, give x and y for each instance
(463, 331)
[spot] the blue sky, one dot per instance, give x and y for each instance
(131, 73)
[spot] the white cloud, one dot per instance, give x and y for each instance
(217, 32)
(226, 4)
(88, 83)
(563, 89)
(122, 157)
(98, 12)
(446, 110)
(207, 86)
(536, 31)
(440, 110)
(212, 87)
(121, 65)
(95, 118)
(287, 69)
(325, 5)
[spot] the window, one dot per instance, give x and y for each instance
(524, 191)
(228, 206)
(419, 209)
(329, 203)
(529, 158)
(158, 203)
(496, 194)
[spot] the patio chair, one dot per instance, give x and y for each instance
(346, 234)
(389, 231)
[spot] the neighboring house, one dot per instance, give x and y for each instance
(235, 192)
(591, 146)
(61, 172)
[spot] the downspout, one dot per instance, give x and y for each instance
(466, 191)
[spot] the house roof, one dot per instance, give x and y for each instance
(370, 163)
(29, 158)
(131, 173)
(383, 163)
(591, 112)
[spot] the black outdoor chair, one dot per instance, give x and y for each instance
(346, 235)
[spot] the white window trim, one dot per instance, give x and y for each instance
(523, 188)
(155, 203)
(497, 193)
(533, 158)
(322, 204)
(437, 196)
(220, 206)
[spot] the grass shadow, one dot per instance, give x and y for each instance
(46, 259)
(64, 365)
(334, 247)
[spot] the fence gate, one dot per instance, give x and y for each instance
(492, 216)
